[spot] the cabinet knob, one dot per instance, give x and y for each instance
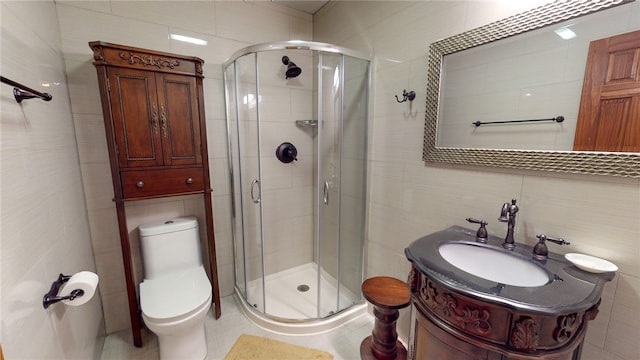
(139, 184)
(189, 181)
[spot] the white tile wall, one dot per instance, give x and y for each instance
(45, 229)
(227, 26)
(599, 215)
(254, 23)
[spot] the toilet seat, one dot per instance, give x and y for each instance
(175, 296)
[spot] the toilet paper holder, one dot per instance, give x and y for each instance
(52, 296)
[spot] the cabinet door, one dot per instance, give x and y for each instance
(179, 119)
(135, 114)
(431, 342)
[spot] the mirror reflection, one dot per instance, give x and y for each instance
(537, 75)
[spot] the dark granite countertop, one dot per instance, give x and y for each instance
(569, 290)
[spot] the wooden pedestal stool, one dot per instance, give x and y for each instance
(387, 295)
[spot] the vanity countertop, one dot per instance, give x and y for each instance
(569, 290)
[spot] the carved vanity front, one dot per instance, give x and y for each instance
(456, 315)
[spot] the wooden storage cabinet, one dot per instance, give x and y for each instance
(153, 107)
(155, 118)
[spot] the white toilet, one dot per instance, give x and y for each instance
(175, 295)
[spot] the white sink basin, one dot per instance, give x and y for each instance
(494, 265)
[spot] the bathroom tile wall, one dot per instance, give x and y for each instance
(45, 229)
(599, 215)
(227, 26)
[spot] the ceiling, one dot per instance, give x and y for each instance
(308, 6)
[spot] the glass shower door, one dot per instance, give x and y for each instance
(244, 142)
(342, 151)
(353, 174)
(298, 227)
(329, 183)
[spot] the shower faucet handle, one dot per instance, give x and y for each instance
(481, 234)
(287, 152)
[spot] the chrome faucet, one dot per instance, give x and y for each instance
(508, 215)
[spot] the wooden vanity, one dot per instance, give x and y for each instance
(456, 315)
(449, 325)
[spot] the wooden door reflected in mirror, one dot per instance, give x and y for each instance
(609, 115)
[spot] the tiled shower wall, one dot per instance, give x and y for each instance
(227, 26)
(598, 215)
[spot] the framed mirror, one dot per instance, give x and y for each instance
(438, 147)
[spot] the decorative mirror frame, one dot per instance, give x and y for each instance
(580, 162)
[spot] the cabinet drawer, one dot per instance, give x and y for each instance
(150, 183)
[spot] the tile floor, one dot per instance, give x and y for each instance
(343, 343)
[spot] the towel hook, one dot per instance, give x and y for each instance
(406, 96)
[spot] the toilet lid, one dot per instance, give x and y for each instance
(174, 294)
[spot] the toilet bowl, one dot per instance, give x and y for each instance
(175, 295)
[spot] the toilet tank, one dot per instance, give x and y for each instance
(169, 246)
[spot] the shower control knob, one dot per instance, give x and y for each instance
(140, 184)
(287, 152)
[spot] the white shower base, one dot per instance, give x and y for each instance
(287, 308)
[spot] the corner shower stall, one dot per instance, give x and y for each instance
(297, 137)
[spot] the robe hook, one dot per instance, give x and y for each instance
(406, 96)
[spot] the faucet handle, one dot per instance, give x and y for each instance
(481, 234)
(559, 241)
(540, 251)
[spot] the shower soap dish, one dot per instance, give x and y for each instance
(591, 263)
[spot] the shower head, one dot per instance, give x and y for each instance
(292, 69)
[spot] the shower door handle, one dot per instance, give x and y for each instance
(253, 186)
(325, 198)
